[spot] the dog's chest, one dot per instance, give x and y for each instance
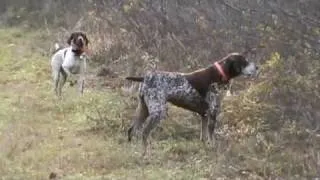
(73, 63)
(76, 68)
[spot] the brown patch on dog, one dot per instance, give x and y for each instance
(201, 79)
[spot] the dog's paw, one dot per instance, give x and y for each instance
(72, 83)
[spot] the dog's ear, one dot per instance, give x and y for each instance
(72, 36)
(237, 67)
(236, 64)
(85, 38)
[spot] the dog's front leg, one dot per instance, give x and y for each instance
(204, 124)
(212, 118)
(81, 85)
(213, 100)
(229, 89)
(68, 72)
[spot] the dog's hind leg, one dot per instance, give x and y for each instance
(140, 116)
(157, 111)
(152, 121)
(62, 80)
(56, 78)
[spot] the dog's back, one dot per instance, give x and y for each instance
(57, 58)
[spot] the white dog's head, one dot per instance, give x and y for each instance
(78, 41)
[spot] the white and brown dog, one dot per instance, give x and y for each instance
(70, 61)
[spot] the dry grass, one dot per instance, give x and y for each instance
(84, 137)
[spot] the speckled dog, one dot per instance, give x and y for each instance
(190, 91)
(68, 62)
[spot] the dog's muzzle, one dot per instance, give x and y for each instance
(75, 47)
(77, 44)
(250, 70)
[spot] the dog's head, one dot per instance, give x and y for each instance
(78, 41)
(237, 64)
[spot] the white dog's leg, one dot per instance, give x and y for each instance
(69, 75)
(81, 85)
(83, 69)
(62, 80)
(56, 77)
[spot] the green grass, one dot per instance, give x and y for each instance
(84, 137)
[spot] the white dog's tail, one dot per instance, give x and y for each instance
(56, 46)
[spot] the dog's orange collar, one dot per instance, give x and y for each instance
(223, 74)
(86, 50)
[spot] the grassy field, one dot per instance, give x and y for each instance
(41, 134)
(84, 137)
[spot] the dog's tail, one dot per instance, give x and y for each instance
(137, 79)
(56, 46)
